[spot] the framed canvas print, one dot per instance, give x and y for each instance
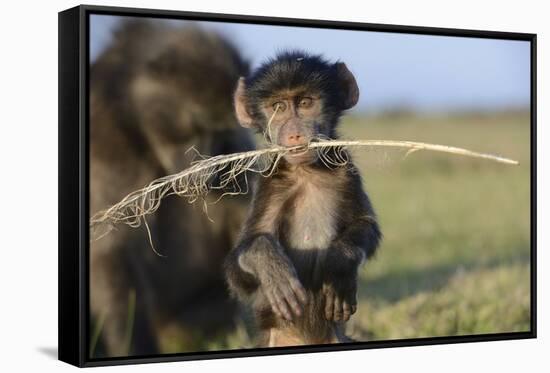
(234, 186)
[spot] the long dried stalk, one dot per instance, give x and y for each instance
(414, 146)
(194, 182)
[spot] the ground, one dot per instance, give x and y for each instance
(455, 259)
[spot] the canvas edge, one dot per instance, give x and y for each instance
(74, 186)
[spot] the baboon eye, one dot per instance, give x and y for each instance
(305, 102)
(279, 106)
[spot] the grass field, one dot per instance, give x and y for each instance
(455, 259)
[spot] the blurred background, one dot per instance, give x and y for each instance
(414, 72)
(455, 259)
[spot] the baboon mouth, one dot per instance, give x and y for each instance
(297, 150)
(300, 155)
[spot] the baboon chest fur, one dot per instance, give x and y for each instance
(301, 207)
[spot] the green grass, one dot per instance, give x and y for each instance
(455, 258)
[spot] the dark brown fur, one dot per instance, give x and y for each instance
(310, 226)
(155, 92)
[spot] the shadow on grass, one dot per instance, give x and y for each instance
(397, 285)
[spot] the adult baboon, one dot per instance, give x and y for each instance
(155, 92)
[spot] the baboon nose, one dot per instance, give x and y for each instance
(295, 139)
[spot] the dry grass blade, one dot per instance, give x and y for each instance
(196, 181)
(414, 146)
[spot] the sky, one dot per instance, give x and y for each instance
(393, 70)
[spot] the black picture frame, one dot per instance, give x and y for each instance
(74, 183)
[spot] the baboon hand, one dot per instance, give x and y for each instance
(340, 300)
(284, 291)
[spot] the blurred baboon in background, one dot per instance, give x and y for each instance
(155, 92)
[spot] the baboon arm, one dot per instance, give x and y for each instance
(356, 242)
(252, 257)
(262, 253)
(260, 263)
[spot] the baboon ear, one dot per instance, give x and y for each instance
(239, 100)
(350, 90)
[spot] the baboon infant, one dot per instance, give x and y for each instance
(310, 224)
